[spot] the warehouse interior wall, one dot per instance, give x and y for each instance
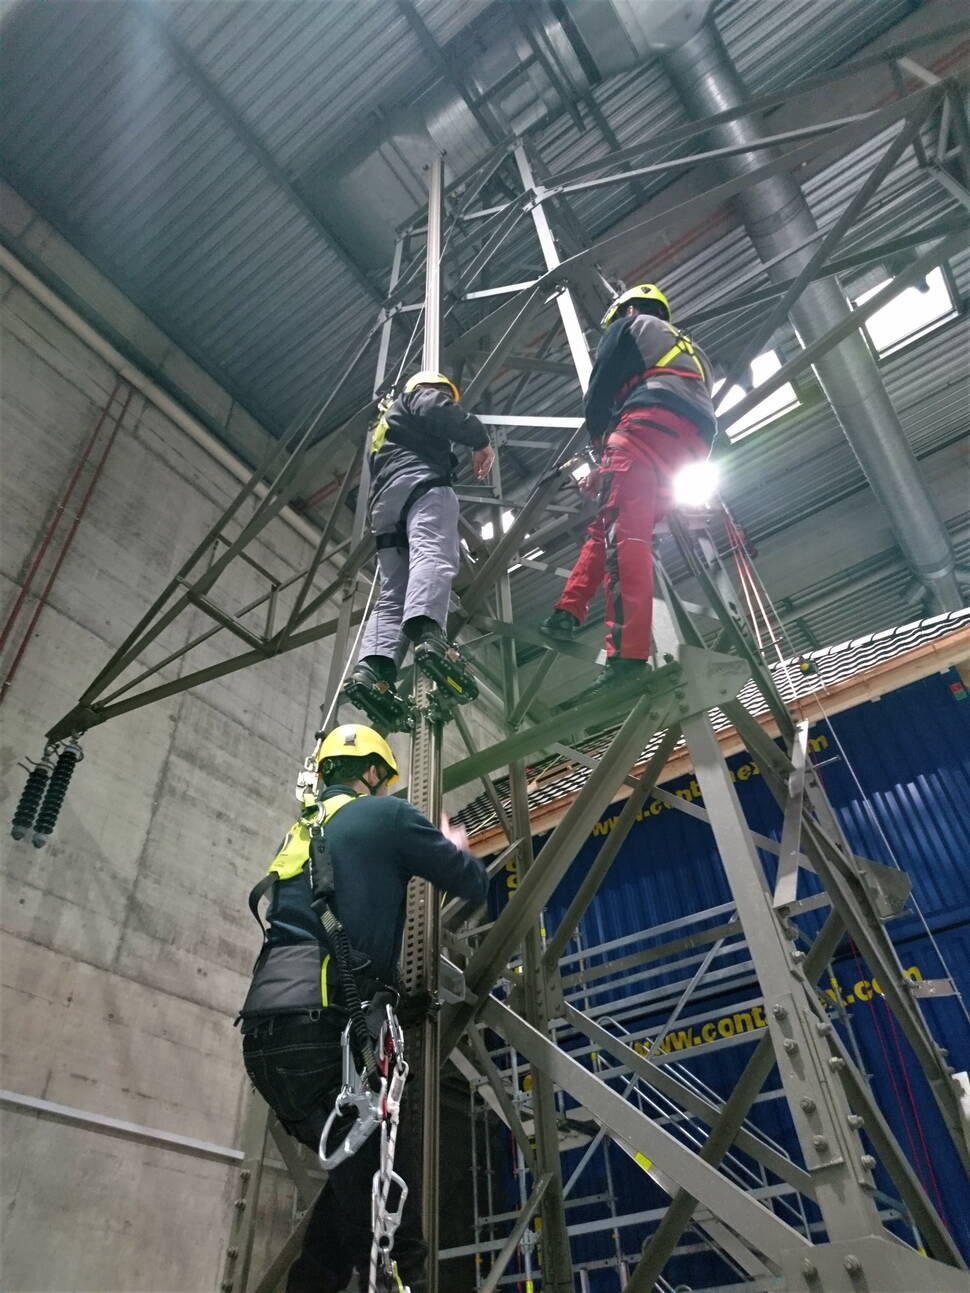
(127, 942)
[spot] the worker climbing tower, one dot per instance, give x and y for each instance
(506, 980)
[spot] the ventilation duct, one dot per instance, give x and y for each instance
(777, 219)
(376, 185)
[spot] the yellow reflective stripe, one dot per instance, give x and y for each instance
(684, 345)
(292, 857)
(379, 434)
(295, 852)
(645, 1163)
(323, 980)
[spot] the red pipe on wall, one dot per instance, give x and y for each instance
(69, 537)
(55, 521)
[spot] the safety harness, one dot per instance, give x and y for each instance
(373, 1068)
(663, 367)
(398, 537)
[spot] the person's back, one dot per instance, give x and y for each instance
(294, 1016)
(413, 514)
(419, 429)
(648, 412)
(376, 845)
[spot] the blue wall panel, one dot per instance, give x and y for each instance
(899, 778)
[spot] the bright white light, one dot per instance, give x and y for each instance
(581, 471)
(696, 484)
(762, 367)
(534, 555)
(910, 314)
(507, 519)
(488, 531)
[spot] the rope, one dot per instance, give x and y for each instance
(927, 1157)
(352, 652)
(872, 817)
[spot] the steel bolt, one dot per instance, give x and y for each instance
(226, 1286)
(244, 1174)
(809, 1270)
(797, 955)
(820, 1143)
(836, 1062)
(852, 1264)
(807, 1103)
(232, 1252)
(791, 1046)
(823, 1027)
(779, 1011)
(239, 1204)
(868, 1162)
(854, 1120)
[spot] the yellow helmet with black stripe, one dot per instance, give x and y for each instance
(354, 741)
(427, 378)
(642, 292)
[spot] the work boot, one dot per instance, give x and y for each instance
(435, 656)
(560, 625)
(377, 671)
(370, 688)
(616, 671)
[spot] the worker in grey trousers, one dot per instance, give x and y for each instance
(414, 518)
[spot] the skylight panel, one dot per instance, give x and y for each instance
(773, 406)
(910, 315)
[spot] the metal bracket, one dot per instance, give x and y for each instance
(710, 677)
(888, 887)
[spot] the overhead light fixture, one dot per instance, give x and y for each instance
(507, 519)
(696, 484)
(488, 531)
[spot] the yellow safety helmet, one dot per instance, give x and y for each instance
(642, 292)
(353, 741)
(428, 378)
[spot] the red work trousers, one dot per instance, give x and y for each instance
(642, 454)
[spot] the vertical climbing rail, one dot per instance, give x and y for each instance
(422, 933)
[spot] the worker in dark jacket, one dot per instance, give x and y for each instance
(649, 412)
(292, 1030)
(414, 517)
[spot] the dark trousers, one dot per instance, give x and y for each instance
(295, 1065)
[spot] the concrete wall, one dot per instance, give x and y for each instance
(127, 942)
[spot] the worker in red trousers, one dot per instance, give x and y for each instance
(649, 412)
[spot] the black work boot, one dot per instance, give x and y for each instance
(560, 625)
(616, 671)
(370, 688)
(377, 671)
(435, 656)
